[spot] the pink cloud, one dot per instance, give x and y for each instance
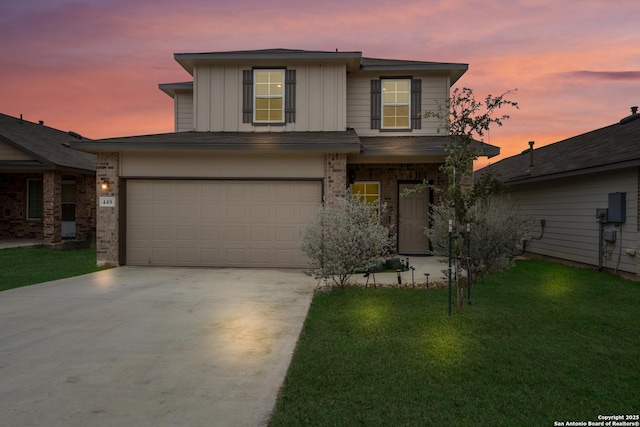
(94, 65)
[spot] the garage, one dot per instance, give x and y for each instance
(218, 223)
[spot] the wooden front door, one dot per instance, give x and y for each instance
(413, 218)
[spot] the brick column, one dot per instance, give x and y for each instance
(335, 176)
(52, 206)
(108, 218)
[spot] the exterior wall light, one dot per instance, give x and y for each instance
(104, 184)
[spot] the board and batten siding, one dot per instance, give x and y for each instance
(183, 103)
(568, 206)
(320, 99)
(435, 90)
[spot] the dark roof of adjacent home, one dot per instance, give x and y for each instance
(49, 147)
(609, 148)
(276, 142)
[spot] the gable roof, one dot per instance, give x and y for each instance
(188, 60)
(48, 147)
(283, 142)
(612, 147)
(354, 61)
(276, 142)
(455, 70)
(427, 145)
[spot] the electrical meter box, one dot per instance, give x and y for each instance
(601, 215)
(609, 235)
(617, 207)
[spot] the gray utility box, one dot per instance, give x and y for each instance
(617, 207)
(609, 235)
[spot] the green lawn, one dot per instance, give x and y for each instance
(30, 265)
(542, 342)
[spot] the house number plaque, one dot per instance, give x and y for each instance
(109, 202)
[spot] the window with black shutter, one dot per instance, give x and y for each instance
(396, 104)
(269, 96)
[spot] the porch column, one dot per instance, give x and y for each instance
(86, 205)
(108, 214)
(52, 206)
(335, 176)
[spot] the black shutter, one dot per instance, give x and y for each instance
(290, 96)
(416, 104)
(247, 96)
(376, 103)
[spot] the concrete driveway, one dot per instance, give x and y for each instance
(138, 346)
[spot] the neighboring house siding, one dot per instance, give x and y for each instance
(7, 152)
(184, 111)
(435, 91)
(320, 99)
(569, 206)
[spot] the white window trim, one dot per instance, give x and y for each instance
(29, 218)
(255, 95)
(383, 104)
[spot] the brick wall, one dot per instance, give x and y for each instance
(335, 176)
(85, 205)
(52, 206)
(389, 174)
(107, 219)
(13, 208)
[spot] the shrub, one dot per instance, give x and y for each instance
(497, 231)
(345, 236)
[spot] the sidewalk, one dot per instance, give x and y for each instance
(431, 265)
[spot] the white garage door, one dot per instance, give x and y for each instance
(218, 223)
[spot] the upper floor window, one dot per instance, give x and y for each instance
(269, 96)
(396, 103)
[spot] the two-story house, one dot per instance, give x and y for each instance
(262, 138)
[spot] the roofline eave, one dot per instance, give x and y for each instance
(526, 179)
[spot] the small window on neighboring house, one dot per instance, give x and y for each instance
(34, 199)
(269, 96)
(396, 104)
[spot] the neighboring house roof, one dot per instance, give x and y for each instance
(382, 146)
(334, 142)
(612, 147)
(354, 60)
(49, 147)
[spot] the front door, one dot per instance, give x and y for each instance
(413, 218)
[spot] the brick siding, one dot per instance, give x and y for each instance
(389, 174)
(108, 218)
(13, 208)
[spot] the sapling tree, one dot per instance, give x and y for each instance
(345, 236)
(466, 121)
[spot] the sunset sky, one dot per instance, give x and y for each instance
(93, 66)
